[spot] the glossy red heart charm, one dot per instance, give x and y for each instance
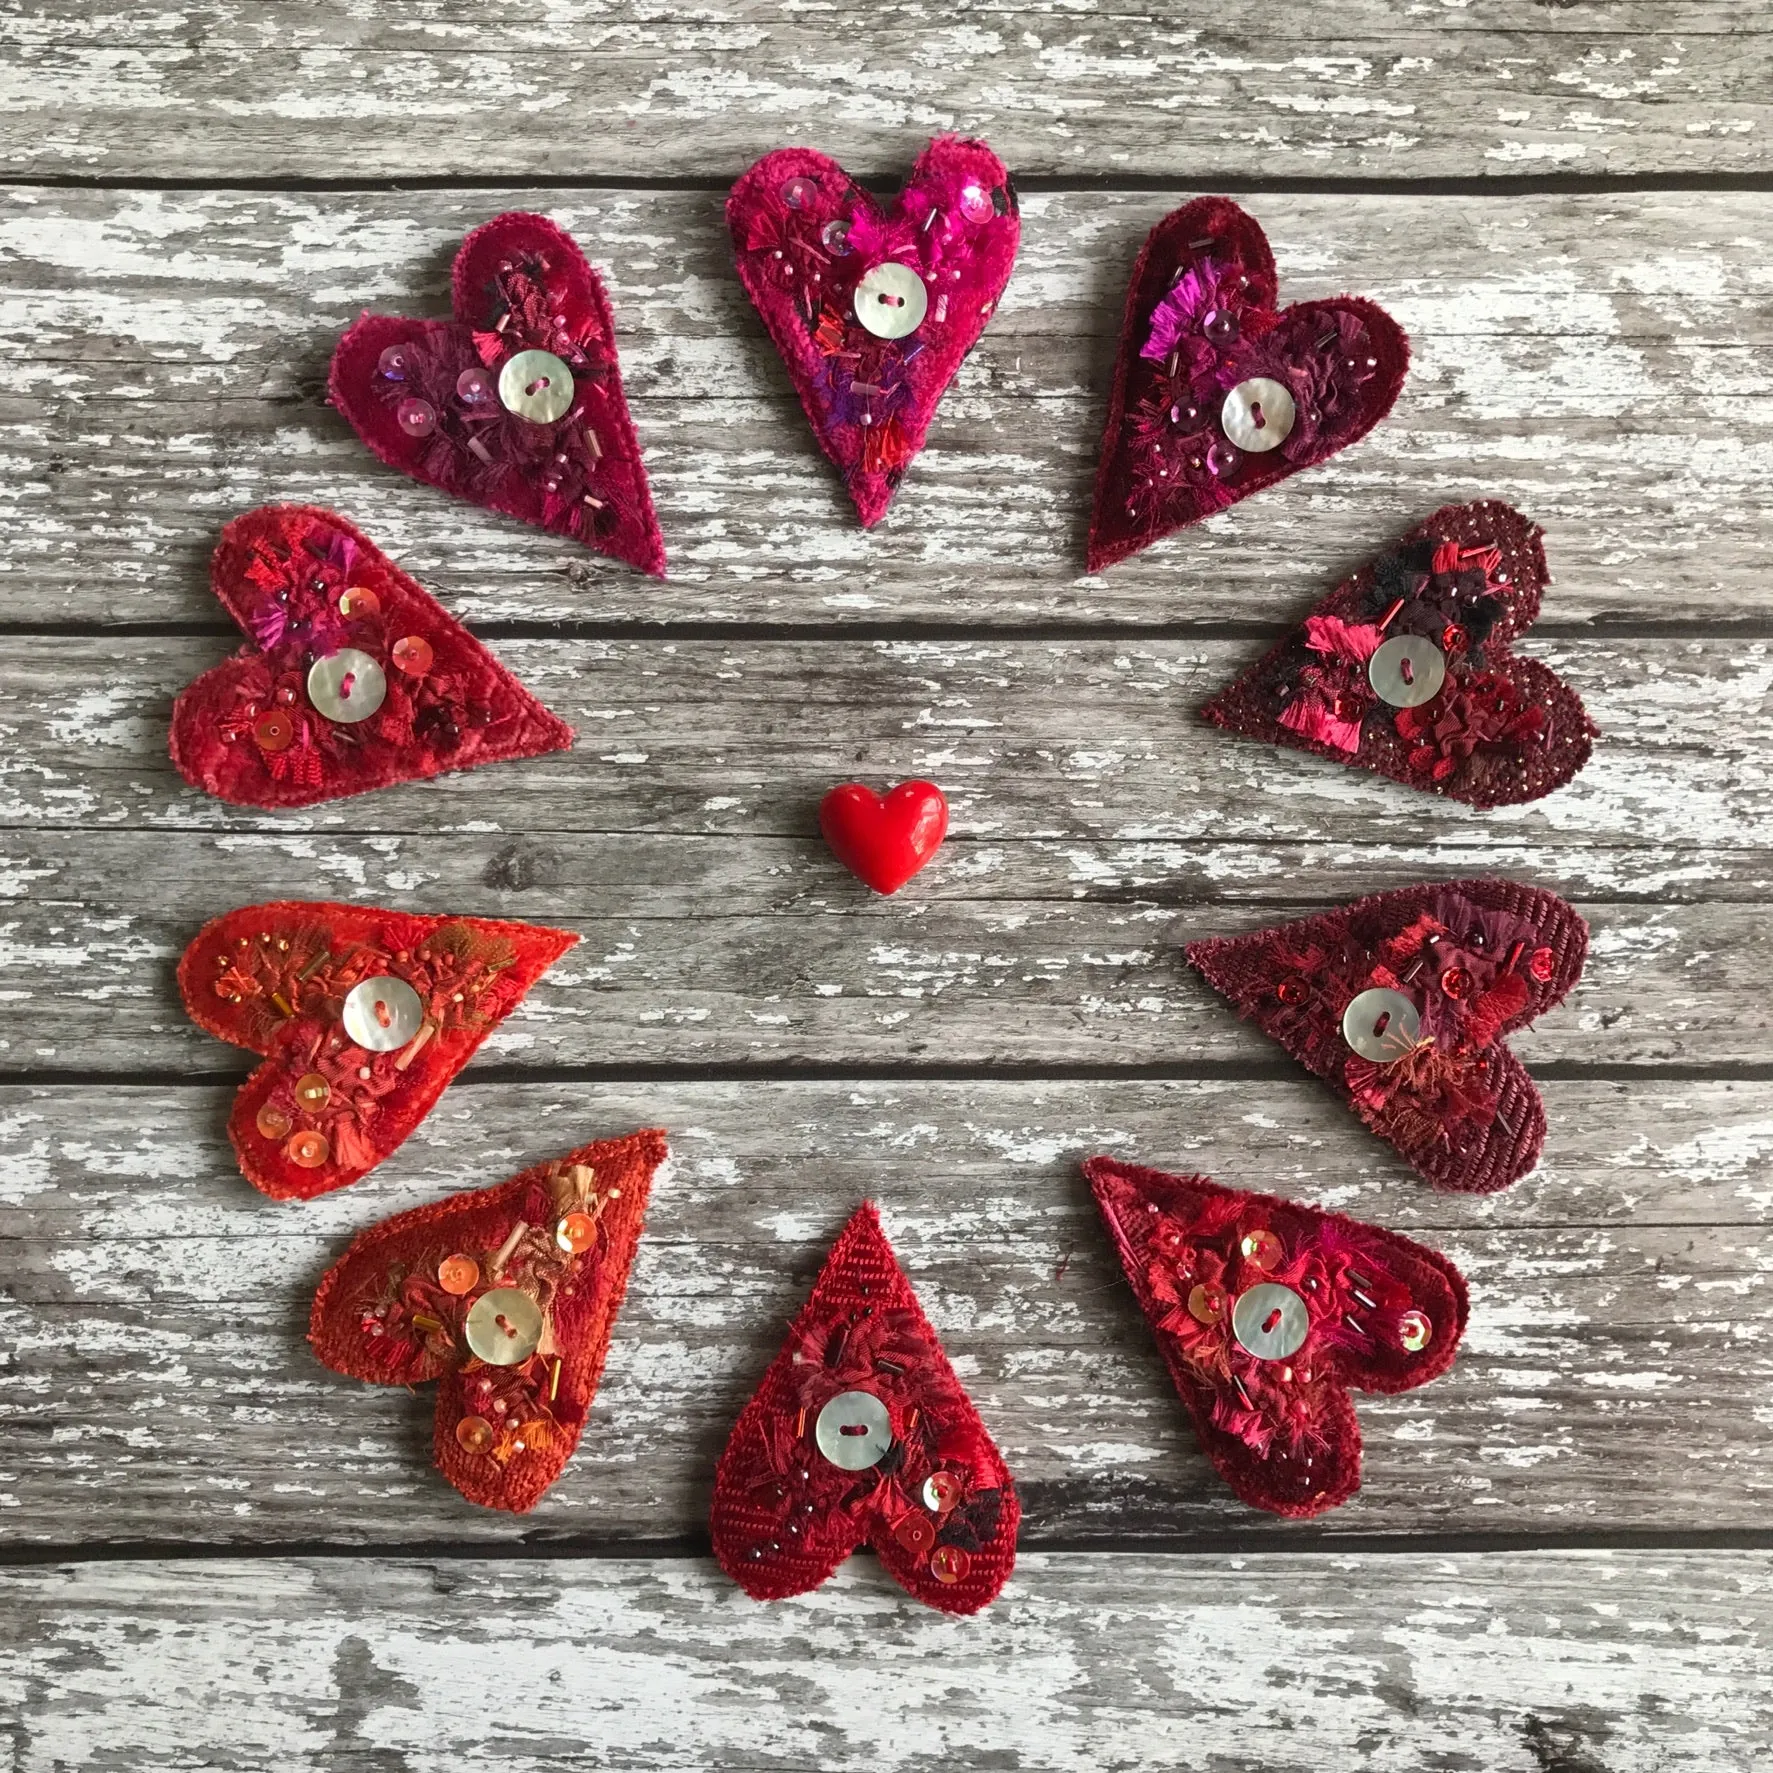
(515, 404)
(861, 1434)
(506, 1298)
(883, 842)
(1408, 668)
(356, 677)
(1217, 393)
(873, 309)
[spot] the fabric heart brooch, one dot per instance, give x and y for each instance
(1406, 668)
(1267, 1312)
(363, 1016)
(873, 310)
(356, 677)
(1402, 1003)
(1218, 393)
(883, 841)
(517, 403)
(506, 1297)
(861, 1434)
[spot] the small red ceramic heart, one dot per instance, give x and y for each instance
(884, 842)
(1216, 393)
(517, 403)
(874, 309)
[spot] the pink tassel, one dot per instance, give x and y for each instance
(1310, 718)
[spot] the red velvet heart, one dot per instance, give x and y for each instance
(547, 439)
(307, 586)
(811, 247)
(863, 1375)
(1462, 966)
(343, 1082)
(1266, 1312)
(1458, 589)
(414, 1299)
(884, 842)
(1216, 394)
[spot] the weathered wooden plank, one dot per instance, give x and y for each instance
(742, 950)
(1615, 1375)
(164, 358)
(1536, 1662)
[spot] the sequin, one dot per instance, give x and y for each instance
(1414, 1331)
(976, 204)
(1223, 459)
(313, 1091)
(891, 300)
(392, 363)
(1292, 991)
(576, 1233)
(1456, 982)
(1542, 963)
(417, 418)
(1220, 325)
(271, 1121)
(1262, 1248)
(836, 237)
(413, 655)
(1206, 1303)
(1258, 414)
(458, 1274)
(504, 1326)
(474, 1434)
(950, 1563)
(308, 1151)
(941, 1491)
(799, 193)
(474, 387)
(274, 731)
(916, 1532)
(1381, 1025)
(359, 602)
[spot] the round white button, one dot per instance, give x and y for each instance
(854, 1431)
(347, 686)
(891, 300)
(1258, 414)
(504, 1326)
(1270, 1321)
(1407, 670)
(382, 1014)
(1381, 1025)
(536, 386)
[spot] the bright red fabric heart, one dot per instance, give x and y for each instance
(811, 246)
(517, 403)
(1216, 393)
(506, 1297)
(363, 1016)
(863, 1375)
(1453, 594)
(1462, 965)
(310, 590)
(1266, 1312)
(883, 842)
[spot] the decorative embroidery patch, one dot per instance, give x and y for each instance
(506, 1297)
(1266, 1312)
(356, 677)
(1403, 1003)
(873, 310)
(363, 1016)
(884, 839)
(1218, 394)
(517, 403)
(861, 1433)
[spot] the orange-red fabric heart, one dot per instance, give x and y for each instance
(883, 841)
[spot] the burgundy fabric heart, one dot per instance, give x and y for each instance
(517, 403)
(1407, 668)
(873, 310)
(1216, 393)
(1403, 1003)
(356, 677)
(884, 841)
(1267, 1311)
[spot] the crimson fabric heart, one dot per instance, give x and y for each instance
(363, 1016)
(1267, 1312)
(356, 677)
(506, 1297)
(1218, 394)
(1407, 668)
(1403, 1002)
(861, 1434)
(517, 403)
(883, 842)
(874, 309)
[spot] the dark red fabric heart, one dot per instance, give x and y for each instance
(1266, 1312)
(506, 1297)
(883, 842)
(1216, 393)
(363, 1016)
(873, 310)
(356, 677)
(1354, 682)
(861, 1434)
(517, 403)
(1403, 1002)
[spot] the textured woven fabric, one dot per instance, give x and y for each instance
(454, 403)
(809, 245)
(1267, 1312)
(1476, 960)
(1207, 359)
(306, 586)
(278, 978)
(413, 1299)
(938, 1505)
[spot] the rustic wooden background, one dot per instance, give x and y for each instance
(220, 1556)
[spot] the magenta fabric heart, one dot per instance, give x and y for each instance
(873, 309)
(517, 403)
